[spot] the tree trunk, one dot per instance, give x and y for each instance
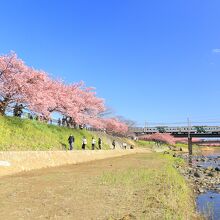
(3, 106)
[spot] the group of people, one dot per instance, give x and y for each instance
(18, 110)
(71, 141)
(123, 146)
(68, 122)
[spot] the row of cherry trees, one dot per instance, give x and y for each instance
(166, 138)
(42, 95)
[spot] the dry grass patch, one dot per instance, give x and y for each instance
(156, 189)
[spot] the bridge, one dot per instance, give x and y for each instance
(181, 132)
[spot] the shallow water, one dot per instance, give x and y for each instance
(214, 161)
(209, 203)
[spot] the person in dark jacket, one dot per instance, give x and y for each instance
(59, 122)
(71, 140)
(113, 144)
(100, 143)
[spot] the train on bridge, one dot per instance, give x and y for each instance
(177, 130)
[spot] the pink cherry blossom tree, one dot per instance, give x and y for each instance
(83, 105)
(159, 138)
(13, 81)
(22, 84)
(42, 95)
(114, 126)
(185, 140)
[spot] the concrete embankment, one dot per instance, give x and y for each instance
(17, 161)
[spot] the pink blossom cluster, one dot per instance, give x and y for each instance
(166, 138)
(43, 95)
(159, 137)
(113, 125)
(185, 140)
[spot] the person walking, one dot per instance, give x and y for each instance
(113, 144)
(93, 143)
(71, 140)
(63, 121)
(59, 122)
(15, 111)
(124, 145)
(100, 143)
(84, 143)
(20, 110)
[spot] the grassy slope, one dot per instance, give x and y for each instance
(25, 134)
(146, 144)
(17, 134)
(151, 144)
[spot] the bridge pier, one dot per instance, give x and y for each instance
(190, 145)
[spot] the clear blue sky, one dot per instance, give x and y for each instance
(151, 60)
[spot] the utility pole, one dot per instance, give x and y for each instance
(189, 139)
(145, 126)
(189, 127)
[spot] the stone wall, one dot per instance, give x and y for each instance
(17, 161)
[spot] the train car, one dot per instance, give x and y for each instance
(172, 130)
(137, 129)
(177, 130)
(150, 130)
(212, 129)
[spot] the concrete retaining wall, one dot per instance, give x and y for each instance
(17, 161)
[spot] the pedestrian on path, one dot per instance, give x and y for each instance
(124, 145)
(84, 143)
(100, 143)
(93, 143)
(71, 140)
(113, 144)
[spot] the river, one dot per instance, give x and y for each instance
(208, 203)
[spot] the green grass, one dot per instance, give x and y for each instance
(161, 191)
(153, 146)
(146, 144)
(196, 148)
(25, 134)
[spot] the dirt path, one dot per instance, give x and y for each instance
(69, 192)
(85, 191)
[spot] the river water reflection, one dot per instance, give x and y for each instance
(209, 203)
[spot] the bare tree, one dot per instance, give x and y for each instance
(128, 122)
(109, 112)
